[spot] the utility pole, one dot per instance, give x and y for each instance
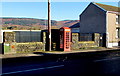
(49, 25)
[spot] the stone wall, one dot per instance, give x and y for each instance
(11, 46)
(29, 47)
(85, 44)
(9, 37)
(76, 44)
(75, 41)
(8, 43)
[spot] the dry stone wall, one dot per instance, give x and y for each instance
(29, 47)
(76, 44)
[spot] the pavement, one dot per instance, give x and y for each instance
(17, 55)
(42, 53)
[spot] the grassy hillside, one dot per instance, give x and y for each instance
(33, 24)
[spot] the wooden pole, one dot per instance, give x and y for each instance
(49, 25)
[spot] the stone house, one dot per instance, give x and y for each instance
(102, 19)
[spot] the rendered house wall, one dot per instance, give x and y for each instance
(111, 27)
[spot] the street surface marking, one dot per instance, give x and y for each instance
(32, 70)
(107, 59)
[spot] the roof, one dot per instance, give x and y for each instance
(77, 25)
(64, 28)
(108, 7)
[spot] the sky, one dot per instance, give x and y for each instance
(59, 10)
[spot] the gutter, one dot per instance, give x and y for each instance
(113, 12)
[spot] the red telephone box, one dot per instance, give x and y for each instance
(65, 38)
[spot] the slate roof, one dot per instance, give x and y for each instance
(77, 25)
(108, 7)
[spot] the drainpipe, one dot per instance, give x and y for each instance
(107, 33)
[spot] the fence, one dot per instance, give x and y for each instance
(28, 36)
(86, 37)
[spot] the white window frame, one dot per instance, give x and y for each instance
(116, 33)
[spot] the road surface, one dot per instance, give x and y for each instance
(88, 64)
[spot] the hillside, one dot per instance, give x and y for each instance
(33, 24)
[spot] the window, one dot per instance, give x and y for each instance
(117, 19)
(118, 33)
